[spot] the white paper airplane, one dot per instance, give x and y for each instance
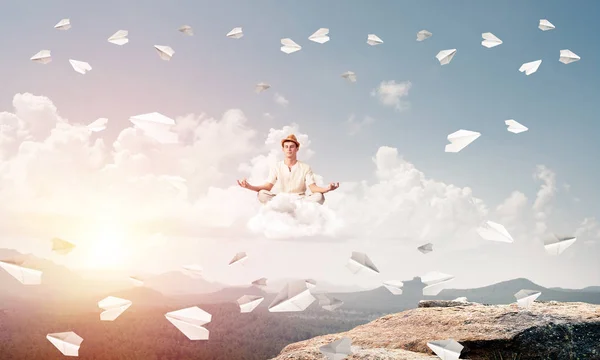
(42, 57)
(98, 125)
(494, 232)
(320, 36)
(427, 248)
(328, 303)
(311, 283)
(189, 321)
(80, 66)
(435, 281)
(157, 126)
(525, 298)
(545, 25)
(530, 67)
(289, 46)
(515, 127)
(187, 30)
(423, 35)
(490, 40)
(119, 38)
(446, 349)
(235, 33)
(445, 56)
(113, 307)
(64, 24)
(136, 281)
(248, 303)
(61, 246)
(192, 270)
(360, 261)
(394, 286)
(26, 276)
(460, 139)
(567, 56)
(373, 40)
(260, 282)
(461, 299)
(350, 76)
(239, 258)
(67, 342)
(165, 52)
(260, 87)
(295, 296)
(337, 350)
(555, 245)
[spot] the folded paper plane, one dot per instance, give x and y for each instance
(113, 307)
(567, 56)
(42, 57)
(427, 248)
(446, 349)
(494, 232)
(373, 40)
(555, 245)
(288, 46)
(530, 67)
(361, 262)
(295, 296)
(525, 298)
(260, 87)
(239, 258)
(189, 321)
(235, 33)
(445, 56)
(64, 24)
(248, 303)
(187, 30)
(435, 282)
(460, 140)
(156, 126)
(67, 342)
(328, 303)
(350, 76)
(545, 25)
(119, 38)
(80, 66)
(25, 275)
(320, 36)
(61, 246)
(515, 127)
(337, 350)
(423, 35)
(490, 40)
(260, 282)
(394, 286)
(98, 125)
(165, 52)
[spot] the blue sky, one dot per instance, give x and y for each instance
(211, 73)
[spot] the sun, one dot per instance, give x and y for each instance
(107, 248)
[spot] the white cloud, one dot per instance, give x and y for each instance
(280, 99)
(391, 93)
(354, 126)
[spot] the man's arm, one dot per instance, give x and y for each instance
(317, 189)
(266, 186)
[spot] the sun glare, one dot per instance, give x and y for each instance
(107, 248)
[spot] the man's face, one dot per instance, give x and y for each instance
(289, 149)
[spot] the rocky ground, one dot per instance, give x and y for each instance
(545, 331)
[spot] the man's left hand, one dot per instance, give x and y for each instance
(333, 186)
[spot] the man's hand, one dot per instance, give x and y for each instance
(243, 183)
(333, 186)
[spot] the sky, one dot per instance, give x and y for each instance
(113, 193)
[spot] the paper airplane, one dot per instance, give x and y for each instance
(350, 76)
(495, 232)
(187, 30)
(435, 281)
(248, 303)
(193, 270)
(461, 299)
(239, 258)
(136, 281)
(295, 296)
(236, 33)
(555, 245)
(98, 125)
(427, 248)
(260, 87)
(328, 303)
(165, 52)
(545, 25)
(113, 307)
(446, 349)
(337, 350)
(423, 35)
(80, 66)
(515, 127)
(320, 36)
(360, 261)
(26, 276)
(42, 57)
(119, 38)
(157, 126)
(525, 298)
(189, 321)
(460, 140)
(530, 67)
(311, 283)
(64, 24)
(373, 40)
(289, 46)
(445, 56)
(260, 282)
(61, 246)
(67, 342)
(490, 40)
(394, 286)
(567, 56)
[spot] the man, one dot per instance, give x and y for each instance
(293, 175)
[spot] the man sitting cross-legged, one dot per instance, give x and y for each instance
(293, 175)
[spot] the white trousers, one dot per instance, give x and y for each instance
(265, 196)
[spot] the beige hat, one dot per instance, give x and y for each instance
(291, 138)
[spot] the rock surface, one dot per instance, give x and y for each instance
(547, 330)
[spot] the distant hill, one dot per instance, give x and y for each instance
(178, 283)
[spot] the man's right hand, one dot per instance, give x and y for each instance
(244, 183)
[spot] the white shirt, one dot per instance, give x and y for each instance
(292, 180)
